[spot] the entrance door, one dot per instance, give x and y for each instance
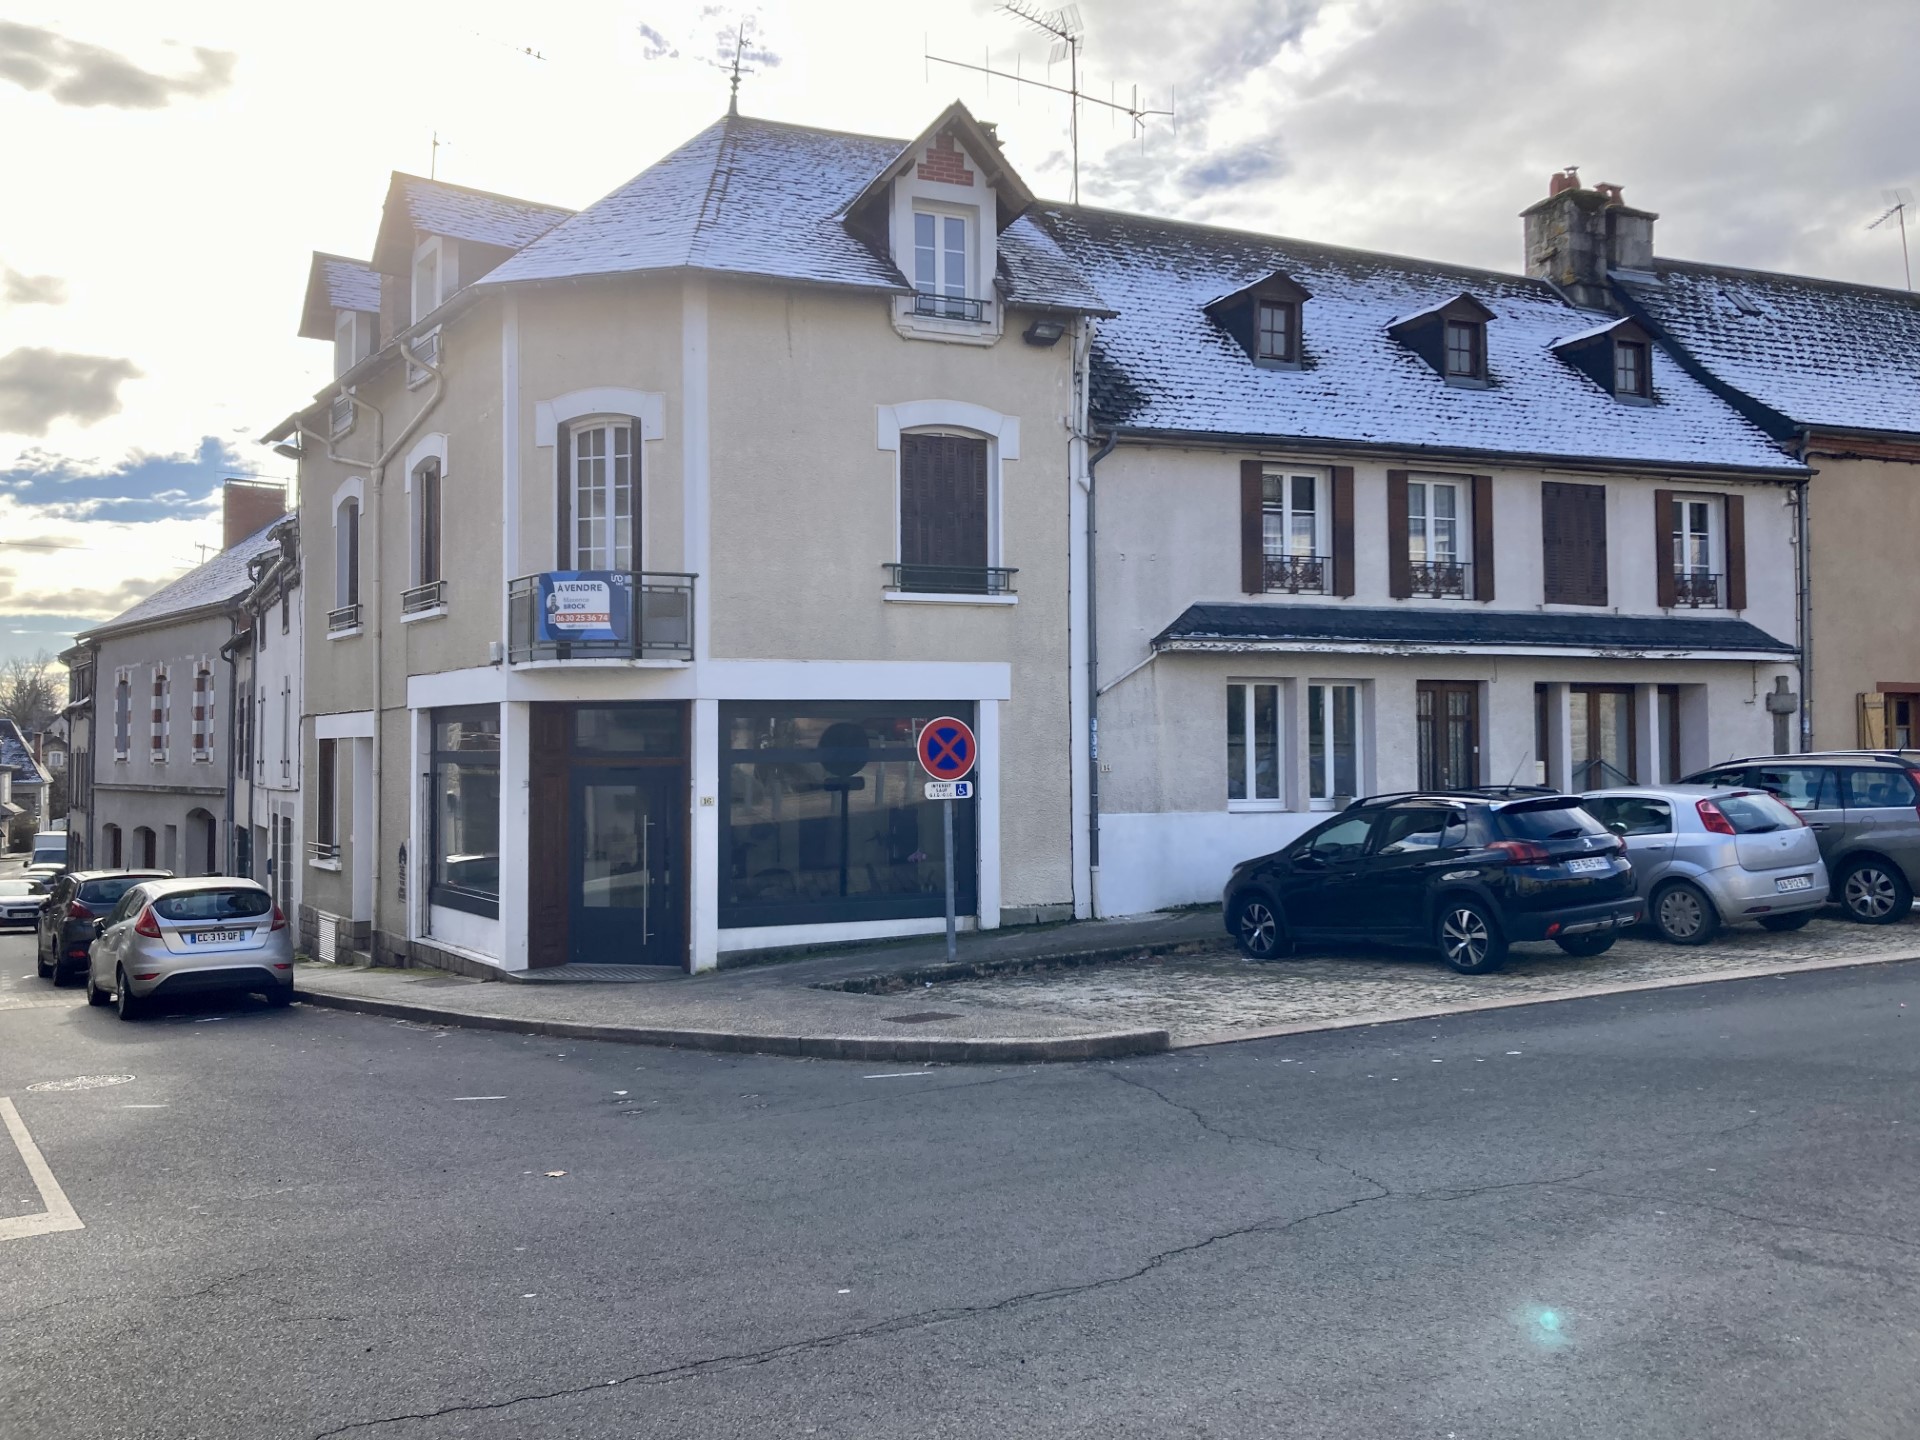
(1600, 725)
(1448, 725)
(625, 872)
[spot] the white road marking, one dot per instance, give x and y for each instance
(59, 1212)
(143, 1107)
(479, 1097)
(900, 1075)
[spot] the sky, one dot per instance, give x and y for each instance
(169, 170)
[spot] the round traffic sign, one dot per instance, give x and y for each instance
(946, 748)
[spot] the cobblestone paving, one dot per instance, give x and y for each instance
(1210, 995)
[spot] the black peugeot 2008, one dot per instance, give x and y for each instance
(1465, 872)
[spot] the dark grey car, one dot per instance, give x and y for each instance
(1864, 808)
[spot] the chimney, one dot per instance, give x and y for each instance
(247, 507)
(1576, 235)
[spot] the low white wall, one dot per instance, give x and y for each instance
(475, 933)
(1156, 861)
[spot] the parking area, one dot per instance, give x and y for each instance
(1217, 995)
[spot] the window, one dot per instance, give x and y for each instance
(1573, 538)
(434, 275)
(1667, 707)
(940, 270)
(1253, 744)
(824, 816)
(1333, 743)
(1902, 712)
(286, 723)
(601, 495)
(110, 843)
(345, 616)
(1275, 329)
(1419, 831)
(1695, 547)
(1804, 787)
(1341, 842)
(1293, 521)
(427, 593)
(946, 522)
(1631, 814)
(326, 802)
(202, 712)
(1466, 347)
(1630, 374)
(146, 848)
(1879, 788)
(122, 715)
(1447, 731)
(1437, 537)
(1600, 734)
(465, 865)
(162, 714)
(352, 343)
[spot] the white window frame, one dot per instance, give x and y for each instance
(1462, 519)
(349, 493)
(352, 339)
(1714, 535)
(1286, 310)
(1320, 792)
(954, 417)
(445, 255)
(1248, 698)
(968, 217)
(160, 697)
(122, 738)
(1322, 508)
(203, 727)
(611, 426)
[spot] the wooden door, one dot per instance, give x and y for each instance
(1447, 723)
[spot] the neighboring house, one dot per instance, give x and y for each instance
(642, 540)
(156, 718)
(1830, 370)
(263, 719)
(77, 717)
(30, 786)
(1369, 524)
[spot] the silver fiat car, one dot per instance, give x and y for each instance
(1704, 857)
(185, 937)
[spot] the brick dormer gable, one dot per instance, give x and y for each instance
(955, 150)
(944, 161)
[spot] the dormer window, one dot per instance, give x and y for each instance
(1277, 320)
(435, 274)
(1617, 355)
(940, 265)
(1630, 368)
(1264, 318)
(352, 339)
(1466, 350)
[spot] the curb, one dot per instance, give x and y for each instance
(889, 982)
(1106, 1045)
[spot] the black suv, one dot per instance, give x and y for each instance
(66, 920)
(1464, 871)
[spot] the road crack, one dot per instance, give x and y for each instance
(1770, 1220)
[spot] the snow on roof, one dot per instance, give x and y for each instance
(460, 213)
(1817, 352)
(335, 283)
(220, 579)
(1592, 332)
(757, 197)
(16, 755)
(1165, 365)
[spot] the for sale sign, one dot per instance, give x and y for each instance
(582, 606)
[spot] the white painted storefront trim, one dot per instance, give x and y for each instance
(780, 937)
(717, 680)
(1155, 861)
(344, 725)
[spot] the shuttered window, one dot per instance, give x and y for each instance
(1573, 534)
(943, 501)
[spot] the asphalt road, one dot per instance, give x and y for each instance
(1688, 1213)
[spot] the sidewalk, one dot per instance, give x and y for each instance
(861, 1004)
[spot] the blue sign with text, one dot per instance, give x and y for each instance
(585, 606)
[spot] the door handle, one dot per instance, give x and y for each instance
(1817, 825)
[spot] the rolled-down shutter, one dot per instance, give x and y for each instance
(1663, 576)
(563, 489)
(1736, 552)
(1253, 569)
(1399, 553)
(1342, 531)
(1573, 548)
(1483, 537)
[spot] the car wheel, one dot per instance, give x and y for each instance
(1256, 928)
(1683, 915)
(47, 972)
(1585, 945)
(1470, 939)
(280, 996)
(95, 996)
(128, 1006)
(1779, 923)
(1875, 893)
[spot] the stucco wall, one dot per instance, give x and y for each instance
(1863, 515)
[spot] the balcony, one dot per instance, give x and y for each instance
(344, 620)
(424, 599)
(323, 852)
(600, 615)
(949, 307)
(1697, 590)
(949, 579)
(1295, 574)
(1441, 579)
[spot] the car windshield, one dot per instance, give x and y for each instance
(14, 886)
(1561, 818)
(107, 892)
(213, 905)
(1755, 814)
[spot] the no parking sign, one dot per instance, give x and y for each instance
(947, 748)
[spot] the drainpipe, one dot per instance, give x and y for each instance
(1093, 663)
(1803, 579)
(226, 654)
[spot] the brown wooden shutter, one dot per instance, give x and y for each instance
(1342, 530)
(1736, 552)
(1482, 537)
(563, 488)
(943, 500)
(1253, 566)
(1665, 592)
(1573, 543)
(1399, 552)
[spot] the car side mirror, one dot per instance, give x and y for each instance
(1618, 827)
(99, 928)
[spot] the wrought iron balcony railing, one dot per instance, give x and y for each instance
(347, 617)
(950, 579)
(648, 616)
(422, 598)
(1442, 579)
(1697, 590)
(323, 850)
(949, 307)
(1296, 574)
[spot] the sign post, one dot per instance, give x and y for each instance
(947, 751)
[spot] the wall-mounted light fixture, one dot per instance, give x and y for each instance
(1044, 332)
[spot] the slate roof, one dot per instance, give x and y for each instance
(757, 197)
(220, 579)
(1452, 628)
(335, 282)
(16, 755)
(1815, 352)
(479, 215)
(1164, 365)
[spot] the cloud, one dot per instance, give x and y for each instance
(658, 47)
(143, 487)
(39, 386)
(76, 73)
(32, 289)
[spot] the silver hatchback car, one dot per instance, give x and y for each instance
(186, 937)
(1705, 857)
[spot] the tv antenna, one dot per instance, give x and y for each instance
(1068, 35)
(1902, 201)
(433, 162)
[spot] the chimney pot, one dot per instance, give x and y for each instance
(246, 507)
(1567, 179)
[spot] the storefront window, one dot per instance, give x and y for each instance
(465, 873)
(825, 817)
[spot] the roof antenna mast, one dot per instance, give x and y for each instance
(734, 71)
(1902, 202)
(1068, 34)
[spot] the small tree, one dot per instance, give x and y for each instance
(28, 694)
